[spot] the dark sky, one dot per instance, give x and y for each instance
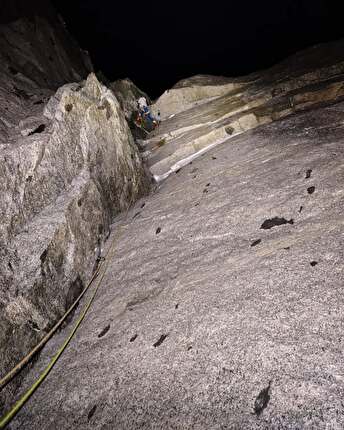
(157, 43)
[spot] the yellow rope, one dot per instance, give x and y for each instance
(20, 403)
(10, 375)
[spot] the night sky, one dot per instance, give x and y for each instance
(157, 43)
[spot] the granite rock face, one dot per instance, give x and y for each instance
(194, 91)
(304, 81)
(62, 184)
(223, 305)
(68, 165)
(37, 55)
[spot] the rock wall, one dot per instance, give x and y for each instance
(201, 89)
(193, 92)
(68, 165)
(37, 55)
(307, 80)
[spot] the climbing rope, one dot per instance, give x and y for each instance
(25, 397)
(10, 375)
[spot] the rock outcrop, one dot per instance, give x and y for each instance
(194, 92)
(37, 55)
(309, 79)
(68, 165)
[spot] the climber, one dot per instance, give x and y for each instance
(141, 103)
(145, 115)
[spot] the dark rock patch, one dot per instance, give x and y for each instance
(189, 348)
(275, 222)
(38, 129)
(33, 325)
(229, 130)
(177, 306)
(178, 170)
(21, 93)
(287, 248)
(68, 107)
(276, 92)
(74, 291)
(205, 191)
(161, 340)
(310, 190)
(133, 338)
(108, 110)
(256, 242)
(39, 102)
(142, 298)
(301, 209)
(104, 331)
(43, 256)
(91, 412)
(213, 158)
(262, 400)
(143, 205)
(12, 70)
(158, 230)
(29, 178)
(106, 106)
(313, 263)
(308, 173)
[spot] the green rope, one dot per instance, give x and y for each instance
(20, 403)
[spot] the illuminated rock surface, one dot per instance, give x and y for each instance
(68, 165)
(307, 80)
(222, 306)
